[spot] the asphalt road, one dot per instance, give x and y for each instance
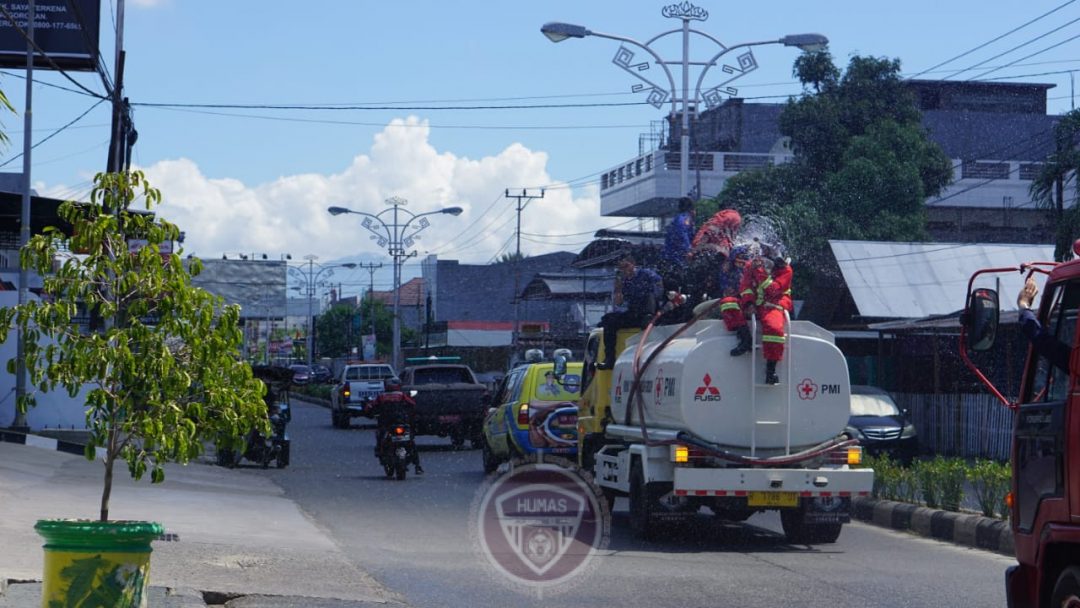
(413, 536)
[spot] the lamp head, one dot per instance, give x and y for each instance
(452, 210)
(349, 265)
(806, 42)
(557, 32)
(337, 210)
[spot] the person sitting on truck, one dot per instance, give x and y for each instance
(392, 407)
(637, 291)
(1044, 343)
(766, 291)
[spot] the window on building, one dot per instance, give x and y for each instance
(984, 170)
(1029, 171)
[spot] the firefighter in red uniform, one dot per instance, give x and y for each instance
(718, 232)
(391, 407)
(767, 292)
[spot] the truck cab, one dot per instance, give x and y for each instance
(1045, 499)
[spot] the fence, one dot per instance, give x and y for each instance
(962, 425)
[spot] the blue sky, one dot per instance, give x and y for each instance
(259, 181)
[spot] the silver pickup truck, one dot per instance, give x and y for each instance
(357, 385)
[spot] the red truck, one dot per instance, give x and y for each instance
(1044, 501)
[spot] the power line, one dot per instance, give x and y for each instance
(47, 84)
(403, 125)
(1037, 38)
(54, 133)
(1051, 47)
(985, 44)
(365, 107)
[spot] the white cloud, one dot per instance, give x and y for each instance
(149, 3)
(289, 214)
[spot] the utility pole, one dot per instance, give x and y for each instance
(521, 200)
(121, 126)
(19, 423)
(371, 268)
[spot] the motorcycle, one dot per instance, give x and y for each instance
(396, 449)
(262, 449)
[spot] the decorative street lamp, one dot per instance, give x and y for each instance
(657, 94)
(311, 277)
(397, 239)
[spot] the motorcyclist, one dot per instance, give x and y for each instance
(393, 407)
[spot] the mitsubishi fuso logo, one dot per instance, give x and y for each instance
(707, 392)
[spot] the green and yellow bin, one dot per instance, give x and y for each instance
(96, 563)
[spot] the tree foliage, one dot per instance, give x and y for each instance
(1058, 174)
(863, 164)
(164, 373)
(338, 332)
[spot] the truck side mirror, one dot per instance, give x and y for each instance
(981, 319)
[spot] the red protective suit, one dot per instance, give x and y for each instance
(718, 231)
(770, 294)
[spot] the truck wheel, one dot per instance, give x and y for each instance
(335, 419)
(609, 496)
(1067, 588)
(490, 461)
(799, 532)
(643, 503)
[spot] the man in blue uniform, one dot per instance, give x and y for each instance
(677, 238)
(637, 292)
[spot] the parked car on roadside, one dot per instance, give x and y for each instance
(301, 374)
(322, 374)
(880, 426)
(533, 412)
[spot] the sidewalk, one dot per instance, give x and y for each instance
(237, 535)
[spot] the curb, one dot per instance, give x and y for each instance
(48, 443)
(968, 529)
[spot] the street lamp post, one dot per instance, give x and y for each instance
(311, 277)
(657, 94)
(397, 239)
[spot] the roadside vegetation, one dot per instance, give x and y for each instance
(939, 483)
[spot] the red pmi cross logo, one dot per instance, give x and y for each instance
(707, 392)
(807, 389)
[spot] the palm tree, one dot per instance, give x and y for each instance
(1048, 188)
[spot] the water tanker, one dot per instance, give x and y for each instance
(679, 423)
(693, 385)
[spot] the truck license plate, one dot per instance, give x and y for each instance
(772, 499)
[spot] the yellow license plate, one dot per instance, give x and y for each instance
(772, 499)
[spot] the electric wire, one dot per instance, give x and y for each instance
(988, 43)
(1039, 52)
(365, 107)
(46, 84)
(384, 125)
(54, 133)
(1010, 50)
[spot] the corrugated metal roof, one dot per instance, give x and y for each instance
(592, 284)
(916, 280)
